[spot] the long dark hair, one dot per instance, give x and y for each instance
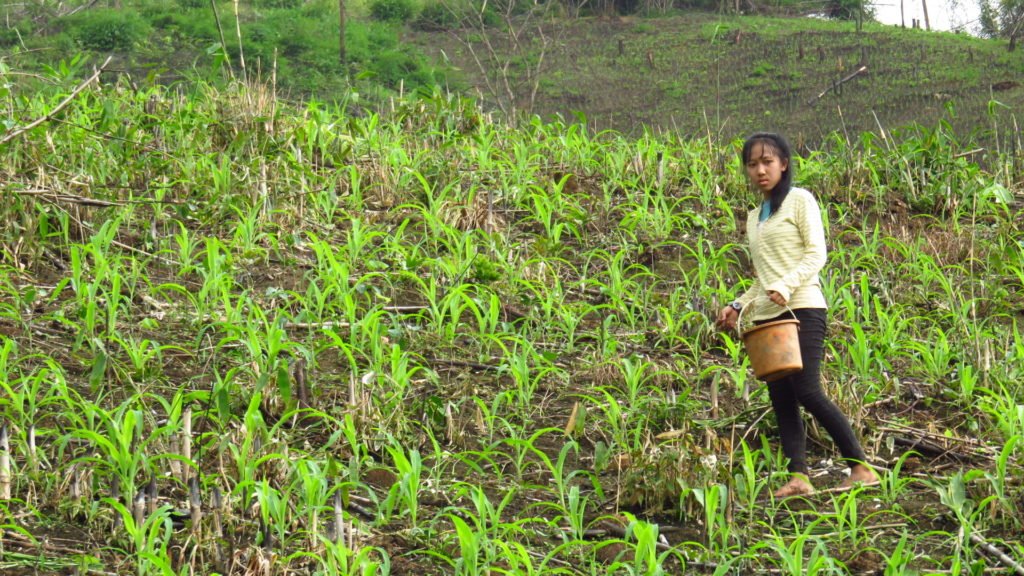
(778, 145)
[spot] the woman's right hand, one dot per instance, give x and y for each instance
(727, 317)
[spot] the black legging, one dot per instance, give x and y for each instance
(804, 388)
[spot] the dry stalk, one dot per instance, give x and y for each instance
(32, 462)
(186, 442)
(5, 463)
(221, 559)
(264, 191)
(75, 487)
(241, 52)
(218, 525)
(299, 376)
(260, 563)
(352, 398)
(139, 508)
(115, 494)
(223, 40)
(152, 496)
(339, 521)
(174, 464)
(195, 505)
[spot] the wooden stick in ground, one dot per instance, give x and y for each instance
(74, 94)
(339, 521)
(844, 80)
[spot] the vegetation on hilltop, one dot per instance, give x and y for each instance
(244, 337)
(296, 43)
(657, 69)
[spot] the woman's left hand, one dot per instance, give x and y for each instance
(776, 298)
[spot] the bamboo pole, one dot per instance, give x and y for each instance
(342, 54)
(241, 51)
(223, 40)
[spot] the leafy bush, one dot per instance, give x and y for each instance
(848, 10)
(363, 39)
(279, 3)
(392, 10)
(167, 22)
(166, 15)
(320, 9)
(199, 25)
(158, 8)
(106, 30)
(193, 3)
(436, 16)
(11, 35)
(398, 67)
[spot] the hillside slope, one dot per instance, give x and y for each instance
(703, 72)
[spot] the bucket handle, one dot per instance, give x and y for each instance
(739, 316)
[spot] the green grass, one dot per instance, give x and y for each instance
(166, 41)
(438, 342)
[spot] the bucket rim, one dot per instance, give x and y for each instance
(753, 329)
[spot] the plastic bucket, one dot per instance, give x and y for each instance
(774, 349)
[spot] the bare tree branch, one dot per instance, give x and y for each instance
(510, 59)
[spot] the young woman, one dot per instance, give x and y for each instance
(787, 245)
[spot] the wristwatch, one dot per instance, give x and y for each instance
(735, 305)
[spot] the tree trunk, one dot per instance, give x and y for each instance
(1015, 30)
(927, 23)
(342, 57)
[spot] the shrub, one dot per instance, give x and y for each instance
(163, 15)
(279, 3)
(320, 9)
(199, 25)
(106, 30)
(11, 35)
(167, 22)
(397, 67)
(436, 16)
(847, 10)
(392, 10)
(158, 8)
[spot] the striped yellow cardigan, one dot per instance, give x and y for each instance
(788, 251)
